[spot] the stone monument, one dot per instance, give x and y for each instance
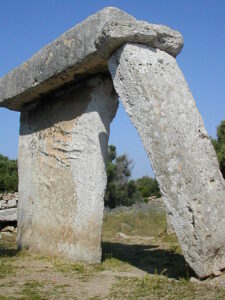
(67, 94)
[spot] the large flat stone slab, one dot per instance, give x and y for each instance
(79, 53)
(157, 98)
(116, 33)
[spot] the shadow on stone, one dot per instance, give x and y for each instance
(62, 105)
(149, 258)
(53, 106)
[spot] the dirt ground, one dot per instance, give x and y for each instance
(133, 267)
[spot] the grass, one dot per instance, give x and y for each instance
(159, 287)
(162, 254)
(67, 267)
(131, 223)
(7, 252)
(31, 290)
(35, 290)
(172, 243)
(84, 270)
(6, 267)
(160, 257)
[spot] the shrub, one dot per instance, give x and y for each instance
(8, 174)
(219, 145)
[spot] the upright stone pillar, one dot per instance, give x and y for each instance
(157, 98)
(62, 155)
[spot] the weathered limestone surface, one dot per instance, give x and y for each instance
(157, 98)
(116, 33)
(8, 207)
(80, 52)
(8, 215)
(62, 155)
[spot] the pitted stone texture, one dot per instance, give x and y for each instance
(117, 33)
(156, 96)
(74, 57)
(62, 155)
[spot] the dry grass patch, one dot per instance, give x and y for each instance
(7, 253)
(134, 223)
(159, 287)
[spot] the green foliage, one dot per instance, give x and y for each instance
(219, 145)
(8, 174)
(147, 187)
(120, 190)
(111, 153)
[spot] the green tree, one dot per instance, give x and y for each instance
(219, 145)
(8, 174)
(147, 187)
(120, 190)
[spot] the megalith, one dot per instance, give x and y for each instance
(62, 155)
(67, 101)
(158, 100)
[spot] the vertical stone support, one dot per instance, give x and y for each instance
(157, 98)
(62, 179)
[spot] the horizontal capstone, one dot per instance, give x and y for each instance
(79, 53)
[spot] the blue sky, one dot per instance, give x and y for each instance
(26, 26)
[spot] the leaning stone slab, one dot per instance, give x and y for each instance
(157, 98)
(62, 156)
(79, 53)
(8, 215)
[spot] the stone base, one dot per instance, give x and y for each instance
(62, 178)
